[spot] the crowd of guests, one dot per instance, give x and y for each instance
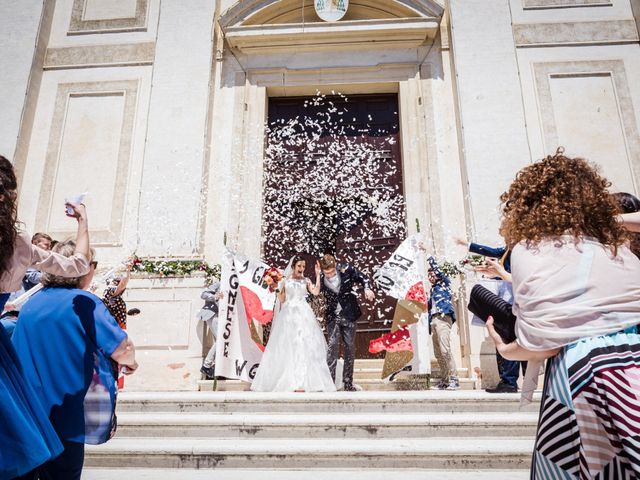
(57, 382)
(569, 256)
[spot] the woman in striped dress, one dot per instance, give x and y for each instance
(576, 291)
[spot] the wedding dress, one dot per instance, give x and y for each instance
(296, 354)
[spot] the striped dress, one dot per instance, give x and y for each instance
(589, 426)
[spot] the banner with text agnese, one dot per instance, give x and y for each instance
(246, 306)
(403, 275)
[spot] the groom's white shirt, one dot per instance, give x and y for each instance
(333, 284)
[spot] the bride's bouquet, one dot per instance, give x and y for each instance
(271, 279)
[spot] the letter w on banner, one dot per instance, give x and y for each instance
(402, 277)
(246, 306)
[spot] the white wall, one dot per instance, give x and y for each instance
(490, 105)
(19, 25)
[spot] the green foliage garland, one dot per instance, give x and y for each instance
(174, 268)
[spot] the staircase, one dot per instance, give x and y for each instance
(425, 434)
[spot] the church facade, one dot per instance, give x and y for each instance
(158, 109)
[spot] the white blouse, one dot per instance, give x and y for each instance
(565, 291)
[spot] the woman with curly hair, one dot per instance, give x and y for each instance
(27, 438)
(576, 290)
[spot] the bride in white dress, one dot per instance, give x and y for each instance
(295, 358)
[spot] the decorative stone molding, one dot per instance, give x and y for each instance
(128, 91)
(575, 33)
(615, 69)
(404, 32)
(81, 26)
(541, 4)
(88, 56)
(245, 9)
(276, 77)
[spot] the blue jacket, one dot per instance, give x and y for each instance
(501, 253)
(440, 300)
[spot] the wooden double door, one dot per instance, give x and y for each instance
(333, 184)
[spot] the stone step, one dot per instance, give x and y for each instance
(438, 453)
(309, 474)
(376, 373)
(328, 425)
(402, 383)
(432, 401)
(369, 363)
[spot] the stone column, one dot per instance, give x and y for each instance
(494, 136)
(171, 191)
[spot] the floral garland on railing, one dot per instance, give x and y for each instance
(173, 268)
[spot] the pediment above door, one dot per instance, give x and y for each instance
(273, 26)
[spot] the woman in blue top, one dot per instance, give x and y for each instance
(64, 339)
(27, 438)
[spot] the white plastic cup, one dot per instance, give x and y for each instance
(76, 200)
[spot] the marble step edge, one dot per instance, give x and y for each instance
(441, 452)
(494, 446)
(93, 473)
(372, 397)
(329, 419)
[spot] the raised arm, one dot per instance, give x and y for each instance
(487, 251)
(122, 286)
(315, 289)
(79, 212)
(631, 221)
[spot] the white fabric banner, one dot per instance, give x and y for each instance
(403, 270)
(421, 342)
(246, 306)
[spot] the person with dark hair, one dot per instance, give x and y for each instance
(442, 316)
(209, 314)
(74, 336)
(338, 285)
(294, 359)
(576, 288)
(27, 438)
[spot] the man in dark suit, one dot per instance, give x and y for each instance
(338, 283)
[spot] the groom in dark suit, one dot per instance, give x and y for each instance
(338, 284)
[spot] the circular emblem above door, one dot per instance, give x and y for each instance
(331, 10)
